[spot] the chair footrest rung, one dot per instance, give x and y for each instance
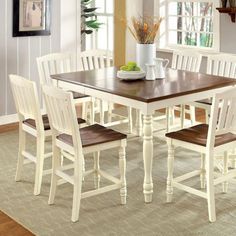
(68, 156)
(109, 177)
(117, 122)
(47, 172)
(88, 172)
(190, 190)
(187, 176)
(100, 190)
(65, 176)
(29, 156)
(47, 155)
(226, 177)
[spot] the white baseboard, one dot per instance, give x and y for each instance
(4, 120)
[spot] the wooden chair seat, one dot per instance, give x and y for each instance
(93, 135)
(198, 135)
(32, 124)
(78, 95)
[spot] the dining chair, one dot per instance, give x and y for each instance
(189, 60)
(217, 137)
(57, 63)
(67, 136)
(99, 59)
(31, 121)
(220, 65)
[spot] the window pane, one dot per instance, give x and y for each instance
(190, 38)
(206, 9)
(205, 24)
(100, 4)
(109, 6)
(173, 37)
(174, 8)
(206, 40)
(102, 34)
(173, 23)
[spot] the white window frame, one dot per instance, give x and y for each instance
(170, 47)
(94, 37)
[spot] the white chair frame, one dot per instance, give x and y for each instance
(189, 60)
(62, 118)
(222, 121)
(222, 64)
(98, 59)
(27, 106)
(57, 63)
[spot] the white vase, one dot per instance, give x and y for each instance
(145, 54)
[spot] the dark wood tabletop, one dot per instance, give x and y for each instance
(177, 83)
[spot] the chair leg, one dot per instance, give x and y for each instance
(182, 115)
(122, 165)
(20, 161)
(232, 159)
(172, 115)
(54, 177)
(192, 115)
(170, 166)
(110, 108)
(92, 112)
(101, 112)
(225, 171)
(203, 171)
(210, 186)
(39, 164)
(167, 119)
(130, 123)
(96, 170)
(84, 111)
(77, 190)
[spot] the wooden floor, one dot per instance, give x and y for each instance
(9, 227)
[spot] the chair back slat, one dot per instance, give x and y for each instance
(54, 64)
(96, 62)
(186, 60)
(26, 99)
(222, 65)
(95, 59)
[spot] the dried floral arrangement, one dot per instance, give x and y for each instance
(145, 29)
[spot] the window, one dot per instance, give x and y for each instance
(191, 23)
(102, 38)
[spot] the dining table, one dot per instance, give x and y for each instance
(178, 87)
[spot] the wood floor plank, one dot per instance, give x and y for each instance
(9, 227)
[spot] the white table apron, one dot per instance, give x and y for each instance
(147, 109)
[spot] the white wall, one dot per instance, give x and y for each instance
(133, 8)
(17, 55)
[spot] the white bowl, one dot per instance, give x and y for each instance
(131, 75)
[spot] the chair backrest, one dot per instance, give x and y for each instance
(188, 60)
(26, 99)
(222, 65)
(61, 111)
(55, 63)
(223, 115)
(95, 59)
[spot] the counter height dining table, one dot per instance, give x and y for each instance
(179, 87)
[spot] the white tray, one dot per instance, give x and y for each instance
(130, 75)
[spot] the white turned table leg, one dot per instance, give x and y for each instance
(147, 157)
